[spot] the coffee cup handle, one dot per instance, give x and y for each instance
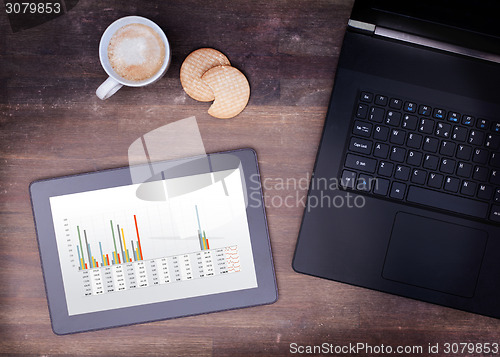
(108, 88)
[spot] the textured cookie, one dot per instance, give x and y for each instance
(194, 66)
(231, 90)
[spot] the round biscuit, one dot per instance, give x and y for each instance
(231, 90)
(194, 66)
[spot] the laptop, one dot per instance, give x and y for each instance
(405, 193)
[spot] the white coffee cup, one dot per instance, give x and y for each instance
(115, 81)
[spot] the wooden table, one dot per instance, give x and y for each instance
(52, 124)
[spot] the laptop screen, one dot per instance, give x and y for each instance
(467, 23)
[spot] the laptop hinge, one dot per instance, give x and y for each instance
(363, 27)
(439, 45)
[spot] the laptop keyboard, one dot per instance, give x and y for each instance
(408, 151)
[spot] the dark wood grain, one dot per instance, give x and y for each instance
(51, 124)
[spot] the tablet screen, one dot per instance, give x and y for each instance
(117, 250)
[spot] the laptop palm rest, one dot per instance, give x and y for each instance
(434, 254)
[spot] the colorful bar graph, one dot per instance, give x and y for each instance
(133, 250)
(135, 253)
(113, 233)
(120, 240)
(125, 246)
(202, 237)
(138, 239)
(205, 240)
(80, 259)
(81, 246)
(102, 255)
(91, 258)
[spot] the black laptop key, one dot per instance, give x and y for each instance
(454, 117)
(495, 213)
(410, 107)
(410, 122)
(492, 141)
(414, 140)
(439, 113)
(424, 110)
(431, 162)
(402, 173)
(364, 183)
(381, 133)
(485, 192)
(385, 168)
(447, 148)
(381, 187)
(361, 146)
(381, 100)
(464, 169)
(481, 156)
(476, 137)
(443, 130)
(366, 97)
(395, 103)
(362, 129)
(397, 137)
(398, 190)
(482, 124)
(447, 166)
(426, 126)
(495, 177)
(414, 158)
(348, 179)
(447, 202)
(393, 118)
(418, 176)
(495, 159)
(468, 188)
(495, 127)
(481, 173)
(435, 180)
(362, 111)
(459, 133)
(377, 114)
(431, 144)
(381, 150)
(464, 152)
(468, 120)
(398, 154)
(360, 163)
(496, 198)
(451, 184)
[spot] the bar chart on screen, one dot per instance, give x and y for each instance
(119, 251)
(112, 241)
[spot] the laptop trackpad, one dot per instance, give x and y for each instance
(434, 254)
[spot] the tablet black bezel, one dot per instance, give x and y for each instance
(265, 293)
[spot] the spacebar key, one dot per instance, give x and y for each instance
(447, 202)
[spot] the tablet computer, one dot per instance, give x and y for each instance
(189, 237)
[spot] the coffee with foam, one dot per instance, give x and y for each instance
(136, 52)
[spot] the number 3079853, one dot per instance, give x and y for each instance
(32, 8)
